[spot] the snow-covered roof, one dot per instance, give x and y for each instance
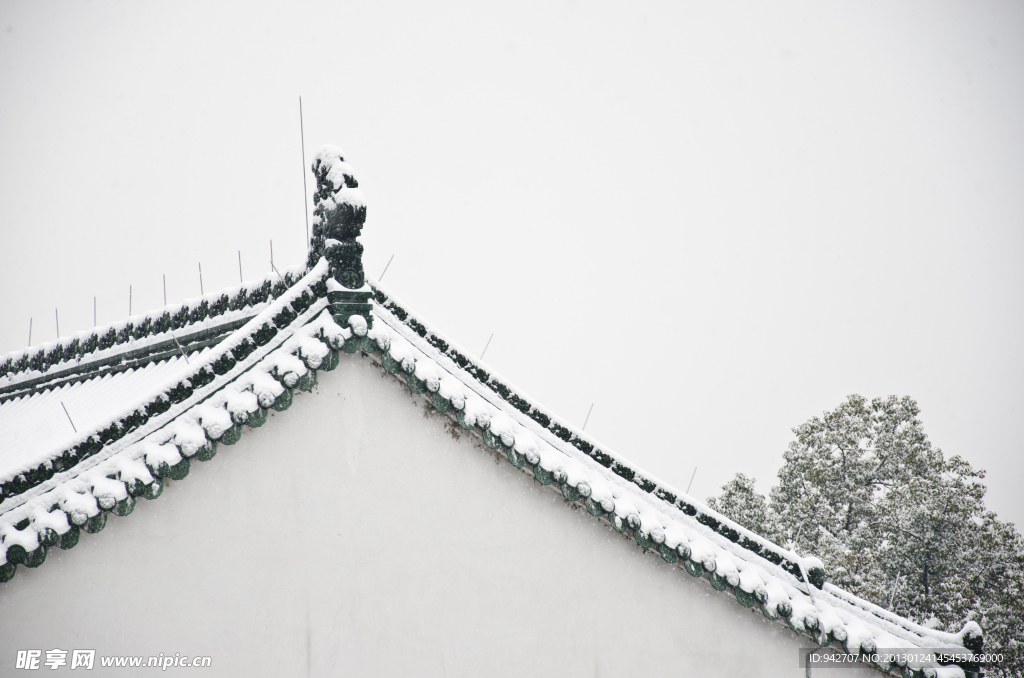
(94, 421)
(668, 522)
(52, 396)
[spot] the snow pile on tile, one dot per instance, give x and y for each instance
(141, 330)
(657, 524)
(80, 498)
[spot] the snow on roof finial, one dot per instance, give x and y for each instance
(338, 218)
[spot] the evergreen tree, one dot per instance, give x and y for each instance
(743, 504)
(894, 521)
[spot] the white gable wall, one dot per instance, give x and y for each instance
(351, 535)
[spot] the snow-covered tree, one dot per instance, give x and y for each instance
(835, 472)
(741, 502)
(894, 520)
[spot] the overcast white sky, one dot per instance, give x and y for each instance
(715, 220)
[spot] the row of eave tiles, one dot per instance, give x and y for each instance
(57, 517)
(676, 538)
(36, 422)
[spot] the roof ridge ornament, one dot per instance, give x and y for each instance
(338, 217)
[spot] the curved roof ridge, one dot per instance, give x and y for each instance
(41, 465)
(139, 330)
(584, 442)
(491, 386)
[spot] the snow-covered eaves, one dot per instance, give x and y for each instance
(660, 518)
(194, 320)
(47, 391)
(112, 361)
(183, 417)
(25, 471)
(183, 410)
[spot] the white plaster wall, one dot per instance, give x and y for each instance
(352, 536)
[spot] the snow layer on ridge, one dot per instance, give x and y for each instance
(100, 482)
(486, 392)
(158, 388)
(149, 339)
(33, 424)
(823, 610)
